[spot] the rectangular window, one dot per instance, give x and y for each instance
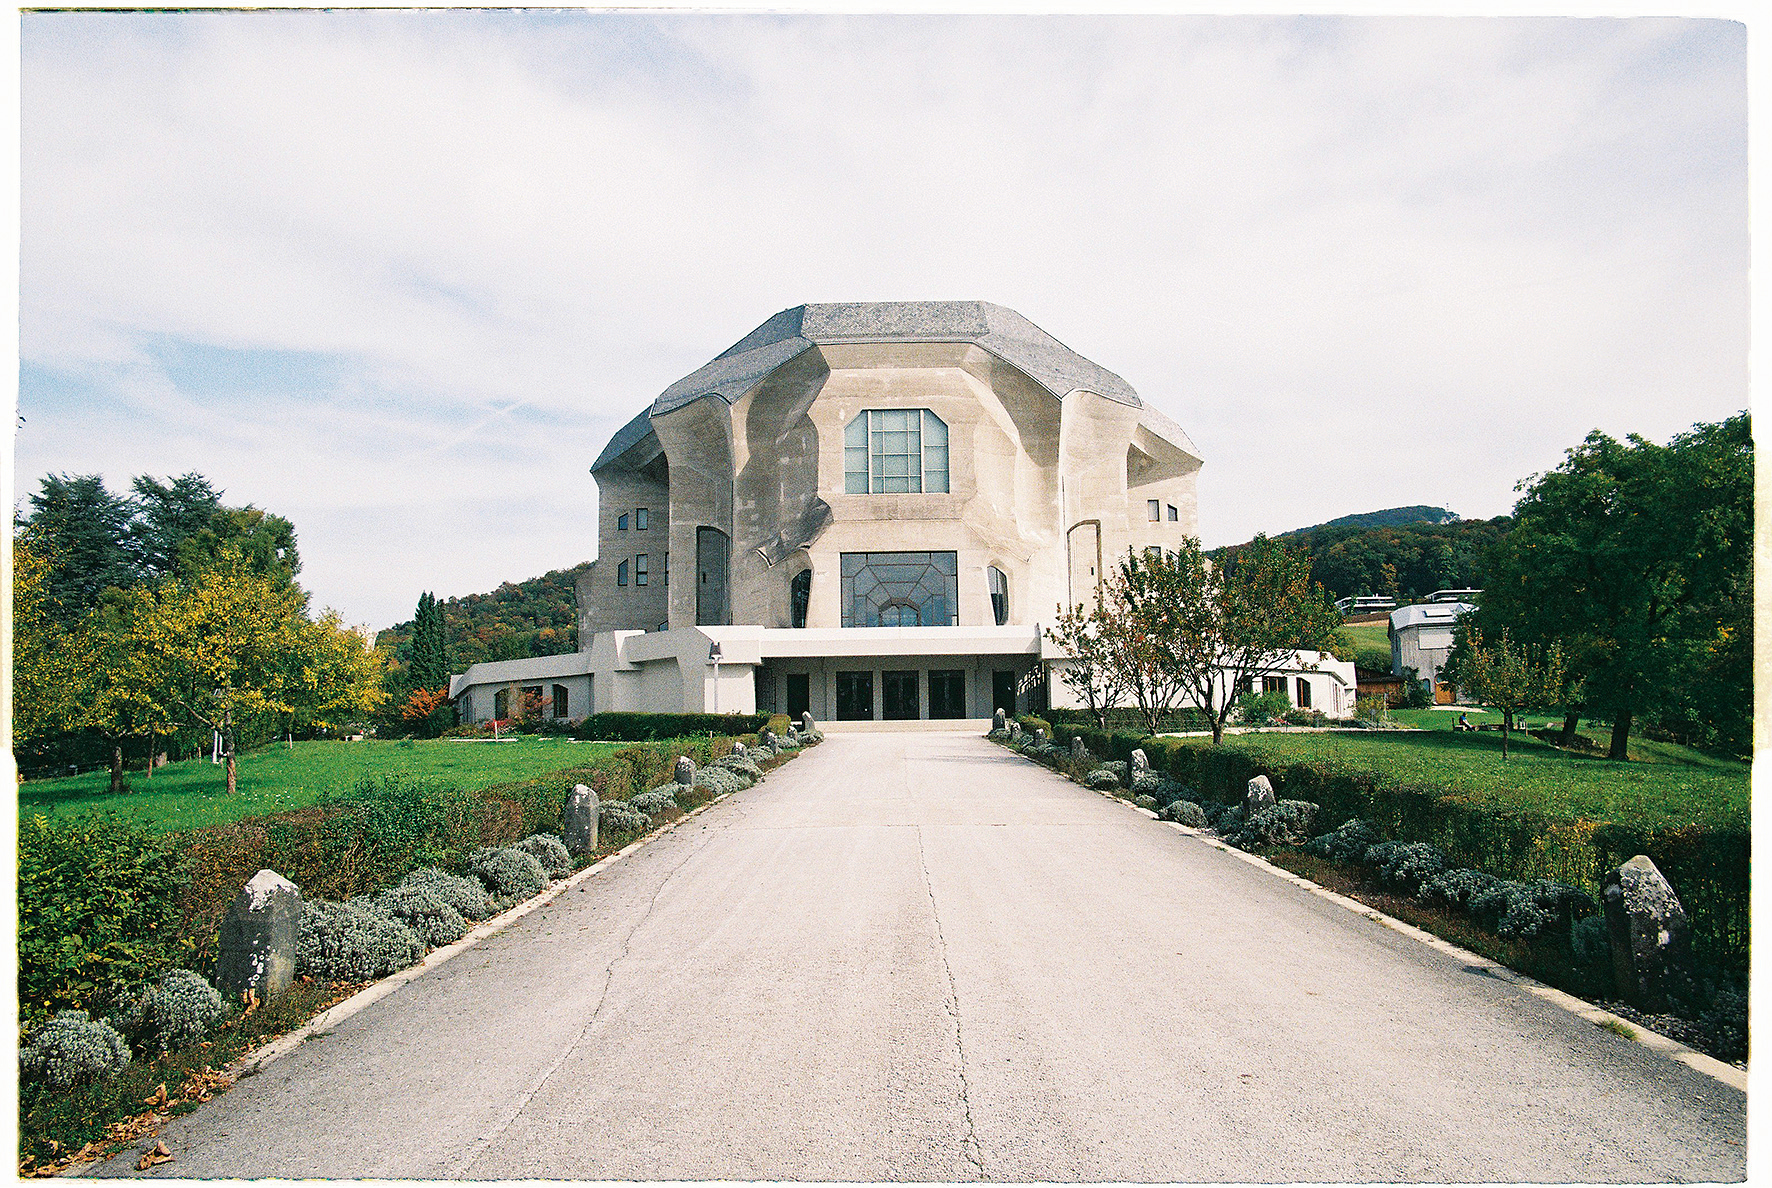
(621, 522)
(621, 574)
(1173, 516)
(1304, 693)
(899, 589)
(1156, 509)
(640, 570)
(1273, 684)
(641, 516)
(895, 451)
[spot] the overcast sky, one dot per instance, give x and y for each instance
(398, 276)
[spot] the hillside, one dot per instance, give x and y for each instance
(538, 617)
(1390, 517)
(1408, 560)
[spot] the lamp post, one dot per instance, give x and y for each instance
(714, 659)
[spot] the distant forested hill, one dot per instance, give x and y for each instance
(1407, 560)
(538, 617)
(1390, 517)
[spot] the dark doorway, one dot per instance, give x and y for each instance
(799, 694)
(947, 693)
(1003, 692)
(712, 551)
(855, 696)
(898, 696)
(1304, 693)
(763, 690)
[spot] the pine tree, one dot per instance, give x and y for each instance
(429, 667)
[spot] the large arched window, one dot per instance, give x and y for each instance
(895, 450)
(999, 582)
(799, 598)
(900, 614)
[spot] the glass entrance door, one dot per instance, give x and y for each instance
(898, 696)
(799, 694)
(1003, 692)
(855, 696)
(947, 693)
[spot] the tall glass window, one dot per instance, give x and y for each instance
(799, 598)
(895, 450)
(641, 569)
(999, 595)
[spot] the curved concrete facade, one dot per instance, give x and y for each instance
(718, 499)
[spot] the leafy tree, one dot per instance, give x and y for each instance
(219, 643)
(264, 543)
(424, 710)
(46, 671)
(338, 675)
(1637, 558)
(1094, 673)
(1218, 627)
(1508, 676)
(121, 694)
(166, 516)
(1146, 620)
(429, 665)
(81, 530)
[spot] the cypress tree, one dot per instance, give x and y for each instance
(430, 646)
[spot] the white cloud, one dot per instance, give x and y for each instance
(1364, 262)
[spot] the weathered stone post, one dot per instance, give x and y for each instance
(685, 773)
(1014, 729)
(1079, 752)
(1258, 797)
(1039, 734)
(1002, 720)
(738, 748)
(1651, 946)
(806, 722)
(579, 820)
(769, 739)
(258, 937)
(1140, 762)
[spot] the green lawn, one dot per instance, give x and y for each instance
(1676, 786)
(193, 793)
(1368, 635)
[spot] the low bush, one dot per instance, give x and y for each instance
(511, 875)
(1406, 865)
(620, 818)
(658, 800)
(1284, 823)
(1146, 802)
(550, 851)
(1184, 812)
(1529, 910)
(1456, 888)
(742, 764)
(1347, 843)
(176, 1011)
(73, 1049)
(1262, 709)
(720, 781)
(422, 909)
(634, 727)
(98, 908)
(467, 896)
(1102, 780)
(354, 941)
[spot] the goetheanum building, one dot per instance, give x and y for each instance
(867, 511)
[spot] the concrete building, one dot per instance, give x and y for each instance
(1421, 638)
(865, 511)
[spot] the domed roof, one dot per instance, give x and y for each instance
(1002, 332)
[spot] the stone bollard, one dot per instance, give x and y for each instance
(1002, 720)
(1079, 752)
(1039, 734)
(1258, 797)
(738, 748)
(806, 722)
(1140, 762)
(769, 739)
(685, 772)
(580, 820)
(1651, 947)
(258, 937)
(1014, 729)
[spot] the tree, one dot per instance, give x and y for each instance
(121, 694)
(218, 643)
(429, 665)
(1147, 619)
(81, 530)
(1215, 628)
(1093, 672)
(1508, 676)
(1635, 558)
(265, 543)
(337, 674)
(46, 671)
(423, 709)
(166, 515)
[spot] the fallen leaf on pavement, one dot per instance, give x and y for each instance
(154, 1154)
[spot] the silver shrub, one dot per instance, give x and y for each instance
(656, 801)
(1102, 780)
(1185, 812)
(176, 1011)
(424, 911)
(741, 764)
(787, 742)
(615, 816)
(1145, 802)
(72, 1049)
(548, 850)
(466, 895)
(719, 781)
(355, 941)
(510, 875)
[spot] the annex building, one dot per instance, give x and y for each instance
(868, 511)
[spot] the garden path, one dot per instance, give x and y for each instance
(920, 957)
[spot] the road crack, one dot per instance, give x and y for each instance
(969, 1146)
(481, 1145)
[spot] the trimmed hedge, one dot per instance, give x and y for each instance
(632, 727)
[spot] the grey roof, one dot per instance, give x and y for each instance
(1002, 332)
(625, 439)
(1429, 614)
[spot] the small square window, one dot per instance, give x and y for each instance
(621, 522)
(641, 517)
(621, 574)
(640, 570)
(1173, 514)
(1156, 509)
